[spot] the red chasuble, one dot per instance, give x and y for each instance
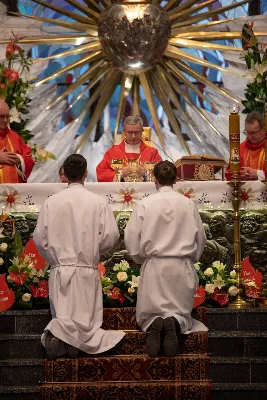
(11, 141)
(251, 155)
(104, 171)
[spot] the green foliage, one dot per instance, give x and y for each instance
(256, 60)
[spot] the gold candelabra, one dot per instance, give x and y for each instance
(239, 302)
(149, 166)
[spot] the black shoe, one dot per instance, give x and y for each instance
(170, 342)
(71, 350)
(51, 346)
(153, 338)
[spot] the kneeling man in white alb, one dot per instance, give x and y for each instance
(165, 234)
(74, 228)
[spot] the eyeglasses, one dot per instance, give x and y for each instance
(251, 132)
(5, 116)
(134, 132)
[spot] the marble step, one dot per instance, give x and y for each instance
(34, 321)
(161, 390)
(217, 319)
(21, 372)
(238, 344)
(29, 346)
(239, 370)
(20, 393)
(240, 391)
(128, 368)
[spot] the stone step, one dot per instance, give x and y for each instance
(21, 372)
(29, 346)
(238, 344)
(128, 368)
(161, 390)
(34, 321)
(20, 393)
(241, 391)
(241, 370)
(227, 319)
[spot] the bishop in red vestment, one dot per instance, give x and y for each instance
(252, 150)
(131, 147)
(16, 161)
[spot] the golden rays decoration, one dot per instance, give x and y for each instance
(139, 44)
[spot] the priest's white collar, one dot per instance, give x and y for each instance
(132, 148)
(165, 189)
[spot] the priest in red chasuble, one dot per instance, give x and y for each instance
(252, 150)
(131, 147)
(16, 161)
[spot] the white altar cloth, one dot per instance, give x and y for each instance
(213, 195)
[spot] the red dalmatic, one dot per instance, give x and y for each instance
(104, 171)
(251, 155)
(11, 141)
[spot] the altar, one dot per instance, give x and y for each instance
(213, 199)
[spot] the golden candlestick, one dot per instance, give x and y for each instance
(239, 302)
(234, 140)
(149, 166)
(117, 165)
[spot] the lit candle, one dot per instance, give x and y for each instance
(265, 127)
(234, 140)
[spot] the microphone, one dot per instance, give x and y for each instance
(147, 139)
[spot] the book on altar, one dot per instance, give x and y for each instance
(201, 167)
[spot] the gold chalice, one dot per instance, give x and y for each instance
(149, 166)
(117, 165)
(133, 165)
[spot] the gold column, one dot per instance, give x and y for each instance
(234, 139)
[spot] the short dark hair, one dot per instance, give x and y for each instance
(75, 167)
(255, 116)
(165, 172)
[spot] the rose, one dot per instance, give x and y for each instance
(9, 279)
(26, 297)
(209, 288)
(233, 274)
(233, 291)
(12, 49)
(208, 272)
(131, 290)
(197, 266)
(1, 261)
(3, 247)
(11, 75)
(122, 276)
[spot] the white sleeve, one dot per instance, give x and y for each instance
(40, 233)
(133, 232)
(108, 230)
(261, 175)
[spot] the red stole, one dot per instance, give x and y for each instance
(8, 173)
(254, 155)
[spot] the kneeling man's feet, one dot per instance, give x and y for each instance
(71, 350)
(153, 338)
(51, 346)
(170, 343)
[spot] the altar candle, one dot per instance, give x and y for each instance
(265, 127)
(234, 140)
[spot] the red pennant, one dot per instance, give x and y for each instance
(101, 270)
(249, 274)
(199, 296)
(30, 250)
(7, 296)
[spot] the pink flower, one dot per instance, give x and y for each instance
(11, 75)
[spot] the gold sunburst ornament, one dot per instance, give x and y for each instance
(138, 44)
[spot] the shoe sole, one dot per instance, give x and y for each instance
(153, 338)
(170, 343)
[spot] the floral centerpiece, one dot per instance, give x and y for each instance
(15, 83)
(120, 285)
(217, 287)
(26, 278)
(255, 56)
